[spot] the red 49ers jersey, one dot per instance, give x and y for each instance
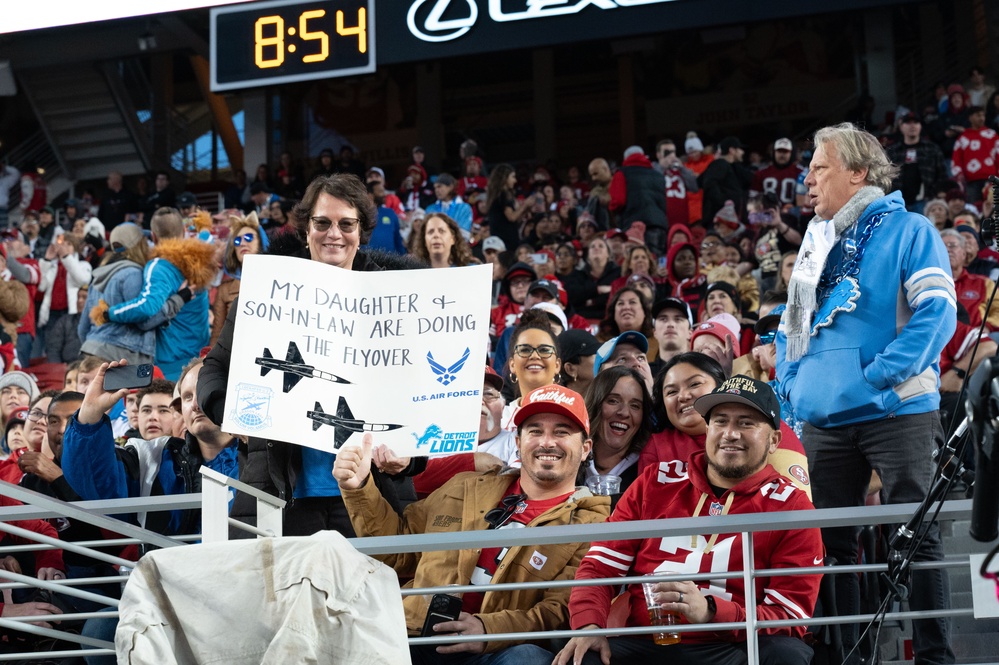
(672, 489)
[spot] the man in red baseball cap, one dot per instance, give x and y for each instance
(553, 439)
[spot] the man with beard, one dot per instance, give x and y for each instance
(731, 476)
(553, 440)
(781, 177)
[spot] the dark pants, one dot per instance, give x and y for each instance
(840, 461)
(774, 650)
(304, 517)
(521, 654)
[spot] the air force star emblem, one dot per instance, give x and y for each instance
(843, 298)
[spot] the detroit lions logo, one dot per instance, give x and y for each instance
(432, 433)
(447, 374)
(843, 298)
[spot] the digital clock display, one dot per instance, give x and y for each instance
(291, 40)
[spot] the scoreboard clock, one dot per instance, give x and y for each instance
(284, 41)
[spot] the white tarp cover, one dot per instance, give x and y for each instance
(270, 601)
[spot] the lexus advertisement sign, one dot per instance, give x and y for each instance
(415, 30)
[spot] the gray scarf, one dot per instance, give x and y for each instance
(820, 238)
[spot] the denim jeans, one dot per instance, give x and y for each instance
(521, 654)
(774, 650)
(900, 449)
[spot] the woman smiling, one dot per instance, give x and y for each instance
(534, 359)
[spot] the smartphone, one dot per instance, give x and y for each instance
(662, 262)
(442, 608)
(129, 376)
(539, 259)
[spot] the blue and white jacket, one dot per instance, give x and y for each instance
(877, 336)
(98, 469)
(115, 283)
(182, 339)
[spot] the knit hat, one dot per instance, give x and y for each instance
(693, 144)
(732, 292)
(727, 215)
(20, 380)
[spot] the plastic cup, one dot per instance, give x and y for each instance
(660, 616)
(604, 484)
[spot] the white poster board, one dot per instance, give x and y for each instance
(321, 355)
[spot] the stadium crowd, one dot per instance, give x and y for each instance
(689, 328)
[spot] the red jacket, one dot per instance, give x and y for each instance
(975, 154)
(661, 493)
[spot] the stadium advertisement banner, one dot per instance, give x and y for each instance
(414, 30)
(322, 356)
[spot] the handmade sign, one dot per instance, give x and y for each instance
(321, 354)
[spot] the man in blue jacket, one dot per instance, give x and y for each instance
(97, 469)
(871, 304)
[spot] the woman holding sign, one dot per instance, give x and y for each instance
(534, 360)
(335, 216)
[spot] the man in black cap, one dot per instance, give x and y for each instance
(725, 179)
(921, 163)
(672, 321)
(187, 202)
(731, 476)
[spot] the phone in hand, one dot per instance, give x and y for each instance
(442, 608)
(128, 376)
(539, 258)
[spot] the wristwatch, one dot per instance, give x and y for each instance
(961, 374)
(712, 607)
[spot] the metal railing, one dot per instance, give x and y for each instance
(216, 523)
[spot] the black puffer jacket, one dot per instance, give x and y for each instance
(274, 466)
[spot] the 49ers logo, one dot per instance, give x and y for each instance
(798, 471)
(673, 471)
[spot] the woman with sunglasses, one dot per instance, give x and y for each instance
(335, 216)
(682, 431)
(534, 359)
(245, 238)
(119, 280)
(620, 410)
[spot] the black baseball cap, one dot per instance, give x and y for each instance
(728, 143)
(574, 344)
(673, 303)
(743, 390)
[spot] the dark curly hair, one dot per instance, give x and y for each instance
(346, 187)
